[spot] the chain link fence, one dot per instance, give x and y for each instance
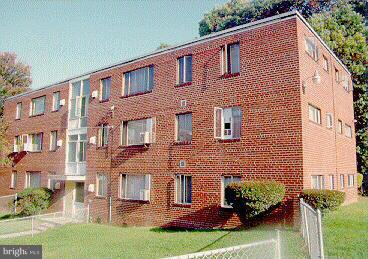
(267, 249)
(311, 228)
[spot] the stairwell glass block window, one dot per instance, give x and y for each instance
(184, 127)
(135, 187)
(226, 180)
(227, 123)
(184, 70)
(138, 81)
(105, 89)
(138, 132)
(37, 106)
(314, 114)
(183, 185)
(230, 59)
(101, 185)
(55, 101)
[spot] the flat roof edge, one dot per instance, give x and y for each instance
(202, 39)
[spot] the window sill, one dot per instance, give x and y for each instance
(180, 143)
(315, 123)
(311, 56)
(53, 150)
(18, 119)
(104, 101)
(225, 207)
(182, 205)
(135, 146)
(183, 84)
(137, 94)
(102, 147)
(229, 75)
(100, 197)
(228, 140)
(134, 201)
(56, 110)
(35, 151)
(36, 115)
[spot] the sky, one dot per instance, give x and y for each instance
(61, 39)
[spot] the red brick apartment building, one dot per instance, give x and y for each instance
(155, 139)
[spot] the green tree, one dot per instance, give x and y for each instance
(342, 24)
(344, 31)
(163, 45)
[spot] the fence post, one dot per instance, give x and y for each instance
(306, 228)
(320, 237)
(110, 209)
(278, 244)
(88, 210)
(15, 203)
(32, 219)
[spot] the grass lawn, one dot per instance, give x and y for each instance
(346, 231)
(102, 241)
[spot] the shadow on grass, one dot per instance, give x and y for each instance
(9, 216)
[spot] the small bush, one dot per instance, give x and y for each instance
(33, 201)
(325, 200)
(254, 198)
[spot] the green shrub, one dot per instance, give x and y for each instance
(360, 180)
(325, 200)
(33, 201)
(254, 198)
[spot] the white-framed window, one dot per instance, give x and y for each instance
(346, 84)
(325, 64)
(135, 186)
(318, 182)
(332, 181)
(18, 144)
(342, 181)
(311, 47)
(18, 111)
(56, 101)
(184, 69)
(77, 148)
(350, 180)
(138, 132)
(80, 91)
(225, 181)
(329, 120)
(138, 81)
(314, 114)
(35, 142)
(337, 75)
(230, 59)
(14, 180)
(33, 180)
(103, 135)
(37, 106)
(339, 126)
(53, 184)
(184, 127)
(53, 140)
(101, 185)
(348, 131)
(227, 123)
(105, 89)
(183, 189)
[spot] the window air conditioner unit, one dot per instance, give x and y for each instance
(62, 102)
(91, 188)
(144, 195)
(57, 186)
(146, 137)
(92, 140)
(59, 143)
(95, 94)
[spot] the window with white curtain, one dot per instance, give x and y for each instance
(135, 186)
(230, 59)
(314, 114)
(226, 180)
(184, 69)
(342, 181)
(350, 180)
(332, 182)
(184, 127)
(33, 180)
(53, 140)
(105, 88)
(55, 101)
(227, 123)
(101, 185)
(37, 106)
(183, 184)
(138, 81)
(138, 132)
(318, 182)
(14, 180)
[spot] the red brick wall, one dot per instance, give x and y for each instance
(325, 151)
